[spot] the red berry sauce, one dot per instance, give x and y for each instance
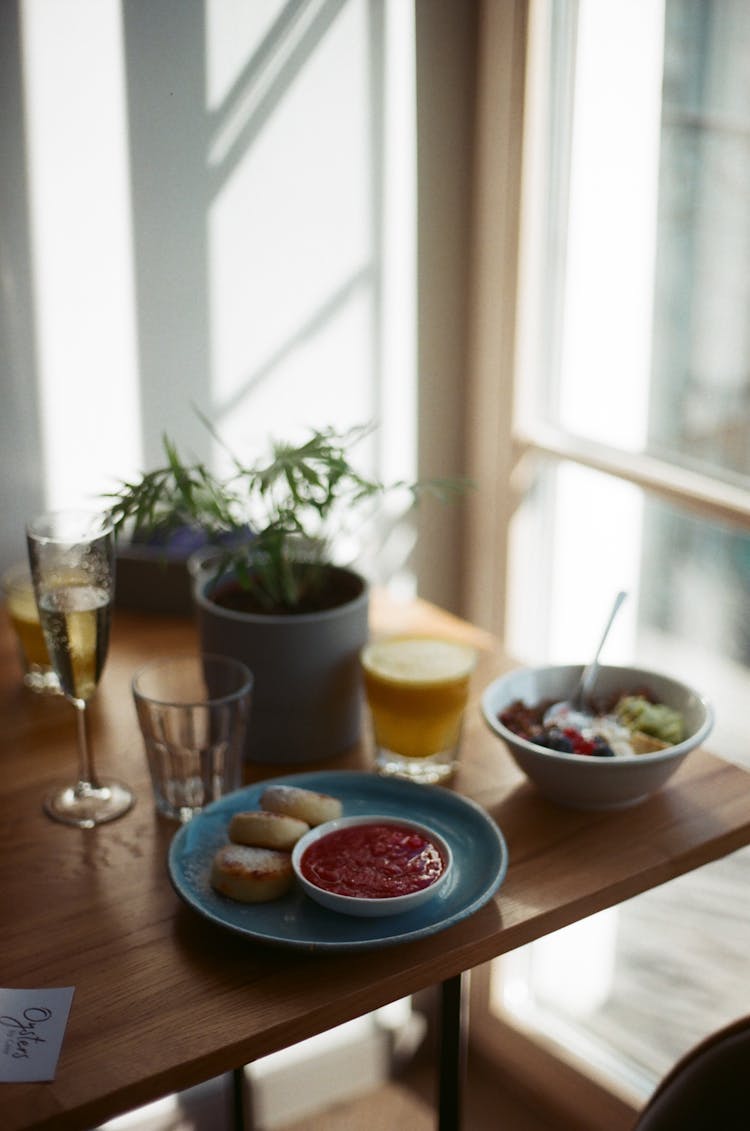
(372, 861)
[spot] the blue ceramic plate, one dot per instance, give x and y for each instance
(480, 861)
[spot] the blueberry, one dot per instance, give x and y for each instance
(601, 749)
(556, 740)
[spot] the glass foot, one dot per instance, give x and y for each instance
(85, 805)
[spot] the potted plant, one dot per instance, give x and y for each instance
(267, 590)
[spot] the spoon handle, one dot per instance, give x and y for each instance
(588, 677)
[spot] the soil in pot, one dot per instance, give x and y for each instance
(337, 587)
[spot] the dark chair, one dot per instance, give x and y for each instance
(707, 1090)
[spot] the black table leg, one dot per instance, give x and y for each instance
(453, 1035)
(453, 1040)
(240, 1118)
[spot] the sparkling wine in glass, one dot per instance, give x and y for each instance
(72, 563)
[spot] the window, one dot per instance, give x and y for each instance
(629, 439)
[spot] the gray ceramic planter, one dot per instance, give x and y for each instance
(307, 694)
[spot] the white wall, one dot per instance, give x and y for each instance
(201, 212)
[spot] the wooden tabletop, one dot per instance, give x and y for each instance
(164, 999)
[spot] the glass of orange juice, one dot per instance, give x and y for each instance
(21, 604)
(417, 688)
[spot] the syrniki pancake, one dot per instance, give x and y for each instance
(264, 829)
(304, 804)
(251, 875)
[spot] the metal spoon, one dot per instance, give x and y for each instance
(572, 712)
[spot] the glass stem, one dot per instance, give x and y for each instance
(86, 773)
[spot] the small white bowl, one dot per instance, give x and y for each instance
(582, 781)
(366, 906)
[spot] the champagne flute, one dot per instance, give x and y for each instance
(72, 563)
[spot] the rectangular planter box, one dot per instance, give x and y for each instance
(146, 581)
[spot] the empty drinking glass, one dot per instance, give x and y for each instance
(192, 711)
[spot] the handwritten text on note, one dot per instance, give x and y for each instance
(32, 1025)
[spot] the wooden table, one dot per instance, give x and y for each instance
(165, 1000)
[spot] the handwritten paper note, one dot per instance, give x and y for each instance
(32, 1025)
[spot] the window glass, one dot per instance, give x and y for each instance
(649, 231)
(700, 400)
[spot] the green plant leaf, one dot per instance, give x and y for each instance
(287, 502)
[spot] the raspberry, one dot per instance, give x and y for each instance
(579, 744)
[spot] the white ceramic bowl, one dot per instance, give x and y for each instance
(582, 781)
(369, 906)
